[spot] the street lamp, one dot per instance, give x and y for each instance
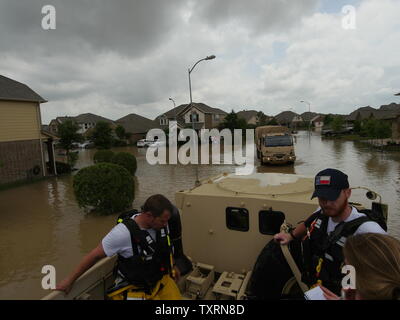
(309, 110)
(174, 106)
(197, 183)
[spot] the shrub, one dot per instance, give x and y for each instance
(105, 187)
(126, 160)
(103, 156)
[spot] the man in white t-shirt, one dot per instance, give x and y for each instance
(144, 253)
(326, 230)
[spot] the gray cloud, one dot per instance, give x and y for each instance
(259, 16)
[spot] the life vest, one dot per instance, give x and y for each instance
(151, 259)
(323, 254)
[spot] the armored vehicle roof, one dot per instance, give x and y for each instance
(273, 186)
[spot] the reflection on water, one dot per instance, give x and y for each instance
(42, 224)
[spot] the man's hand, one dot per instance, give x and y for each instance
(65, 285)
(329, 295)
(283, 238)
(176, 273)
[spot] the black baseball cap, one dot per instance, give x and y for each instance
(329, 183)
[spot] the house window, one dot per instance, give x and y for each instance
(270, 221)
(164, 121)
(194, 117)
(216, 117)
(237, 219)
(86, 125)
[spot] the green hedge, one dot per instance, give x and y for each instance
(107, 188)
(126, 160)
(103, 156)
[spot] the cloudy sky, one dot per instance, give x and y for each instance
(118, 57)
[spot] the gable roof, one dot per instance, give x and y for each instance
(247, 114)
(285, 116)
(90, 117)
(308, 116)
(360, 113)
(203, 108)
(17, 91)
(135, 123)
(393, 107)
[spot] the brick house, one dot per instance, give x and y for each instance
(137, 125)
(197, 115)
(24, 147)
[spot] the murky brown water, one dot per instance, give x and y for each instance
(41, 223)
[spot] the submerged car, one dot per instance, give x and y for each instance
(144, 143)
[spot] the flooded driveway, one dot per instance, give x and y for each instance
(41, 223)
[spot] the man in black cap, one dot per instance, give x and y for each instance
(324, 233)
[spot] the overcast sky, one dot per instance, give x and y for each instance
(118, 57)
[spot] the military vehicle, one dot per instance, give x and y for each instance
(274, 145)
(226, 222)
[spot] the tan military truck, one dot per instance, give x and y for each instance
(227, 222)
(274, 145)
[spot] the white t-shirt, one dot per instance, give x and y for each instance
(366, 227)
(118, 240)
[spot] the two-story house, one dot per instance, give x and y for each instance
(24, 147)
(85, 121)
(195, 115)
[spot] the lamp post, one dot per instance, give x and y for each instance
(174, 106)
(197, 183)
(309, 110)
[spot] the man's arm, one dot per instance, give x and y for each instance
(89, 260)
(298, 233)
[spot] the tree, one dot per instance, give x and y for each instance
(261, 119)
(328, 119)
(102, 135)
(357, 126)
(383, 130)
(337, 123)
(272, 122)
(232, 121)
(120, 132)
(68, 133)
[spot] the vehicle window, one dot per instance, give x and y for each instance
(270, 221)
(237, 219)
(278, 141)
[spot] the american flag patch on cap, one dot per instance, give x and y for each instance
(323, 181)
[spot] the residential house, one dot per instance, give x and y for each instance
(53, 125)
(85, 121)
(137, 125)
(24, 147)
(174, 114)
(249, 115)
(387, 113)
(318, 122)
(287, 118)
(197, 115)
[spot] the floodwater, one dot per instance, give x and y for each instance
(41, 224)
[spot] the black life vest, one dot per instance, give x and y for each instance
(323, 254)
(151, 259)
